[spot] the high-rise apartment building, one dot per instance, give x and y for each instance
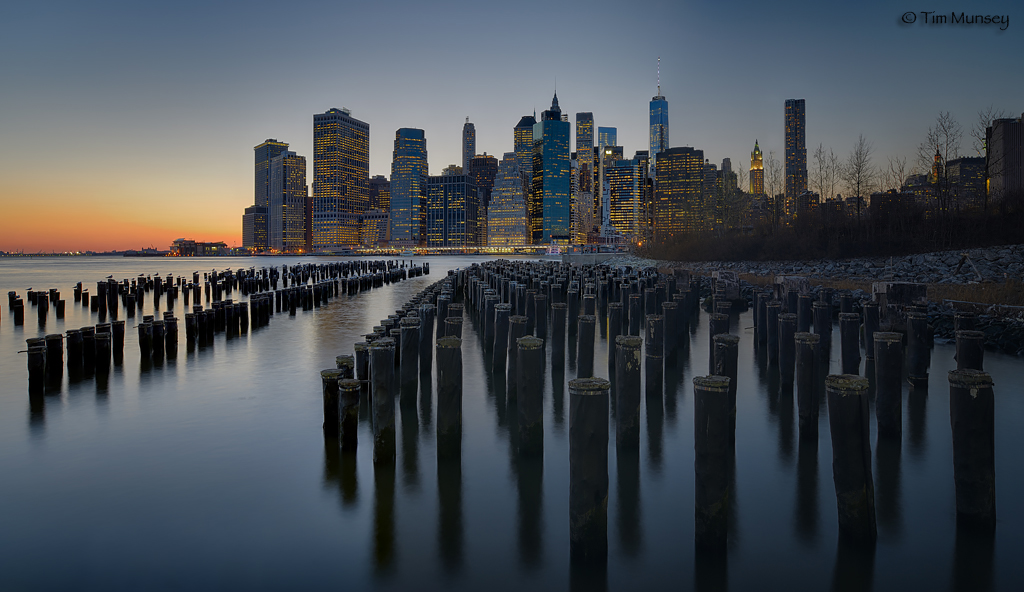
(506, 213)
(341, 171)
(607, 136)
(625, 186)
(468, 145)
(452, 210)
(796, 153)
(678, 189)
(585, 157)
(711, 194)
(380, 193)
(254, 221)
(289, 209)
(408, 188)
(523, 145)
(549, 200)
(756, 171)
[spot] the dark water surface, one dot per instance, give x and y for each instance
(210, 471)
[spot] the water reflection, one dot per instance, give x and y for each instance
(806, 513)
(888, 503)
(384, 517)
(628, 505)
(710, 571)
(854, 569)
(917, 401)
(529, 484)
(410, 437)
(449, 494)
(340, 472)
(973, 558)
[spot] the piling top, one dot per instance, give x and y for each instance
(349, 384)
(55, 337)
(961, 334)
(589, 386)
(555, 306)
(330, 374)
(629, 341)
(888, 337)
(667, 305)
(383, 343)
(345, 361)
(916, 315)
(712, 383)
(518, 319)
(726, 339)
(869, 305)
(819, 304)
(505, 306)
(588, 318)
(787, 317)
(849, 316)
(846, 384)
(719, 316)
(617, 305)
(450, 342)
(410, 322)
(970, 379)
(808, 338)
(774, 304)
(530, 342)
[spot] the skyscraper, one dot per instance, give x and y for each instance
(380, 193)
(506, 214)
(625, 190)
(659, 121)
(341, 171)
(408, 188)
(289, 204)
(549, 201)
(1004, 157)
(678, 189)
(254, 222)
(523, 143)
(585, 157)
(452, 210)
(468, 145)
(606, 136)
(482, 170)
(756, 171)
(796, 153)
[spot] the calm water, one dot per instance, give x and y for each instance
(211, 472)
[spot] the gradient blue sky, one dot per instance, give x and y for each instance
(130, 124)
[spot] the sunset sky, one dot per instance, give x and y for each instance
(129, 124)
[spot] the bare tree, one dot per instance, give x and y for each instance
(773, 180)
(985, 118)
(943, 139)
(858, 174)
(825, 173)
(741, 178)
(895, 175)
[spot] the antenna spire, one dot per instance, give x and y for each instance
(659, 76)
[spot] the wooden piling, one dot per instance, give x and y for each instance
(588, 470)
(449, 397)
(382, 372)
(851, 456)
(972, 417)
(888, 347)
(585, 346)
(530, 384)
(711, 420)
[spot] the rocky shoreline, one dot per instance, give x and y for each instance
(1003, 328)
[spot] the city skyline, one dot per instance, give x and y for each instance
(127, 86)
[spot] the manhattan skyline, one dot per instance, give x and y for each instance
(130, 128)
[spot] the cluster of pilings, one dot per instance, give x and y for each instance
(91, 349)
(523, 310)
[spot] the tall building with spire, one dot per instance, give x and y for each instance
(796, 153)
(659, 122)
(468, 145)
(409, 175)
(756, 171)
(341, 174)
(549, 203)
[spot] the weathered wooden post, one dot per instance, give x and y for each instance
(711, 413)
(804, 313)
(558, 313)
(726, 358)
(972, 417)
(718, 324)
(541, 306)
(449, 397)
(871, 325)
(806, 391)
(516, 329)
(823, 328)
(627, 390)
(917, 349)
(889, 383)
(585, 346)
(787, 347)
(851, 456)
(382, 372)
(772, 311)
(670, 312)
(409, 333)
(588, 470)
(849, 339)
(530, 383)
(501, 327)
(970, 350)
(654, 351)
(332, 402)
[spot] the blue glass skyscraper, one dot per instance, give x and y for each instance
(550, 205)
(408, 188)
(659, 123)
